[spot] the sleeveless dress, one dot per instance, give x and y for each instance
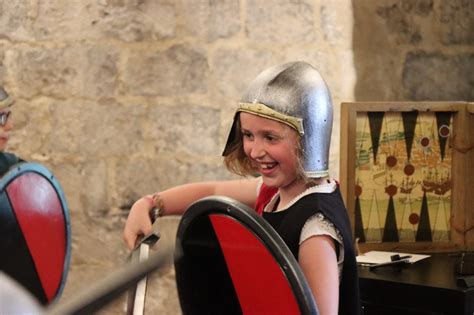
(318, 210)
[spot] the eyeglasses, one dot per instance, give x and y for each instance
(4, 118)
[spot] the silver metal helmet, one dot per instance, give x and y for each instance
(294, 94)
(5, 99)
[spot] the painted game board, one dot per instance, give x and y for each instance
(403, 179)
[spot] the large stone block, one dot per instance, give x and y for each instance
(336, 22)
(457, 22)
(418, 7)
(84, 185)
(14, 20)
(94, 189)
(178, 70)
(32, 128)
(70, 178)
(438, 77)
(138, 176)
(55, 19)
(69, 132)
(105, 129)
(120, 126)
(280, 21)
(50, 71)
(234, 69)
(102, 74)
(336, 67)
(404, 20)
(131, 20)
(133, 178)
(212, 170)
(185, 129)
(211, 20)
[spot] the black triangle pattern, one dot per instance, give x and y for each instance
(390, 231)
(423, 234)
(442, 118)
(409, 124)
(375, 124)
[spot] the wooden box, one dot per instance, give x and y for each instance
(406, 173)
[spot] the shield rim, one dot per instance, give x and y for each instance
(261, 229)
(32, 167)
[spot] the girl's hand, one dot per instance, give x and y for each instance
(138, 222)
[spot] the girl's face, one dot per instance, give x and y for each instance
(271, 148)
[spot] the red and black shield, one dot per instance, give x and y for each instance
(35, 232)
(229, 260)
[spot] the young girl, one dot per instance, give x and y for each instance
(281, 131)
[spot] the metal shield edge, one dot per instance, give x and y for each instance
(28, 167)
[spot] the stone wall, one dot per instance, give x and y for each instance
(418, 50)
(120, 98)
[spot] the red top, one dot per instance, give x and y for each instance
(264, 196)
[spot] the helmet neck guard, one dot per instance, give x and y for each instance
(5, 99)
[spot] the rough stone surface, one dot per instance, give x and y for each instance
(121, 98)
(179, 69)
(390, 39)
(191, 131)
(235, 68)
(101, 77)
(131, 20)
(105, 128)
(13, 20)
(280, 21)
(211, 20)
(25, 112)
(113, 128)
(402, 19)
(70, 177)
(331, 14)
(434, 76)
(55, 20)
(131, 184)
(457, 22)
(47, 71)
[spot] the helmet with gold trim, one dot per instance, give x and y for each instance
(294, 94)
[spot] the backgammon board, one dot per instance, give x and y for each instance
(403, 176)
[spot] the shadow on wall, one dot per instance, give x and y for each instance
(414, 50)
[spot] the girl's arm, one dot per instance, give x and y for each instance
(318, 260)
(177, 199)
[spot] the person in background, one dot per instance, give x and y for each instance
(281, 132)
(6, 126)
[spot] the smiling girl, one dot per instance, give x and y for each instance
(281, 133)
